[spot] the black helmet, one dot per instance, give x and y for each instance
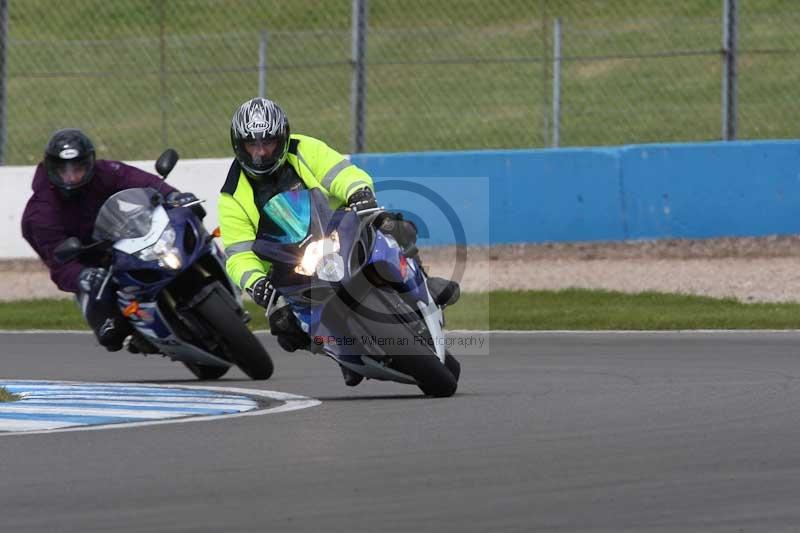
(259, 119)
(69, 159)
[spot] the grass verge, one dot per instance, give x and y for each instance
(480, 72)
(582, 309)
(570, 309)
(6, 396)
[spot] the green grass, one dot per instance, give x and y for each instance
(572, 309)
(581, 309)
(454, 74)
(41, 314)
(6, 396)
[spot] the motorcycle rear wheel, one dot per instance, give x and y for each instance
(237, 342)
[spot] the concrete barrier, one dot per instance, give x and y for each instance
(656, 191)
(204, 177)
(572, 194)
(518, 195)
(711, 189)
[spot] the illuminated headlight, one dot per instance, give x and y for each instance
(331, 268)
(163, 250)
(322, 258)
(171, 259)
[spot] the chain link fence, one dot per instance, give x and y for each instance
(141, 75)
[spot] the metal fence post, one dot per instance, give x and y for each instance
(730, 22)
(262, 64)
(163, 70)
(556, 82)
(3, 78)
(358, 87)
(545, 78)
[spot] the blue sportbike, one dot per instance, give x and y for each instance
(171, 283)
(354, 290)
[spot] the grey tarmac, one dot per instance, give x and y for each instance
(611, 432)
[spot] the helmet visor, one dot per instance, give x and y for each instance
(262, 152)
(72, 174)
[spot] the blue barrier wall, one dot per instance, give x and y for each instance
(712, 189)
(590, 194)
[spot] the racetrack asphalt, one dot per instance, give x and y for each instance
(612, 432)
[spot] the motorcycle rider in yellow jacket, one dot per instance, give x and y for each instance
(270, 160)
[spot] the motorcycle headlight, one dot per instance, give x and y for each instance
(163, 250)
(322, 257)
(330, 268)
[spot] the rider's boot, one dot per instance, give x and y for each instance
(104, 317)
(444, 291)
(111, 333)
(284, 325)
(351, 379)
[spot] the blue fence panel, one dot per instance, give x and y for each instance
(509, 196)
(749, 188)
(712, 189)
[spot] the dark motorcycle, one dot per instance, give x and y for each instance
(172, 283)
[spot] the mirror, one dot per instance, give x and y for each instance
(68, 250)
(166, 162)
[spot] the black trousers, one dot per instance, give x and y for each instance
(104, 316)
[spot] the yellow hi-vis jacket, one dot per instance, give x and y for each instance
(317, 165)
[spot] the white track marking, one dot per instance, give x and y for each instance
(57, 406)
(34, 425)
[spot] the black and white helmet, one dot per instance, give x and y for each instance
(259, 119)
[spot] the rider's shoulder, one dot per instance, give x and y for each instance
(232, 179)
(310, 147)
(304, 142)
(105, 169)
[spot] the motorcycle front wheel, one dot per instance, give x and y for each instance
(206, 372)
(408, 355)
(452, 364)
(236, 341)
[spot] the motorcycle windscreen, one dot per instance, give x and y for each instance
(127, 214)
(290, 212)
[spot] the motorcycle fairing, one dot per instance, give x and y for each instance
(181, 220)
(160, 222)
(317, 303)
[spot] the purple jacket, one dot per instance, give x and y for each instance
(49, 218)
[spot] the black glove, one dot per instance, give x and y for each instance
(91, 279)
(180, 199)
(261, 292)
(362, 199)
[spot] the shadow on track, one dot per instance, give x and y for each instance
(371, 398)
(384, 397)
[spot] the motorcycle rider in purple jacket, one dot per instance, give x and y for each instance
(69, 187)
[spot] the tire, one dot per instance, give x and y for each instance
(206, 372)
(433, 378)
(412, 358)
(236, 341)
(452, 364)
